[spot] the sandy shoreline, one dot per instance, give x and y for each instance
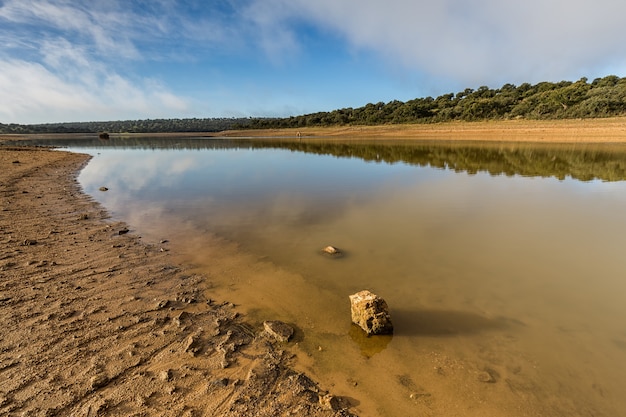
(610, 130)
(97, 322)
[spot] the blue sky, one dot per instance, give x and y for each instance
(84, 60)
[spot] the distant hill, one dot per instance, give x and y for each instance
(129, 126)
(603, 97)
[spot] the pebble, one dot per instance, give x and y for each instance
(165, 375)
(278, 330)
(103, 189)
(486, 377)
(331, 250)
(222, 382)
(98, 381)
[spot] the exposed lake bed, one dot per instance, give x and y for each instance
(504, 285)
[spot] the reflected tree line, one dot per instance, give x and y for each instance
(581, 162)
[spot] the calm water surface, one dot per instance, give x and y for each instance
(503, 265)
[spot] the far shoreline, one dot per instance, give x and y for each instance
(609, 130)
(598, 130)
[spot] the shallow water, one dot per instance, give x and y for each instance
(502, 264)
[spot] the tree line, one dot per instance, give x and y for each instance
(602, 97)
(129, 126)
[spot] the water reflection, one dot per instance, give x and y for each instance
(581, 162)
(492, 257)
(369, 345)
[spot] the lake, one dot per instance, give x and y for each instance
(503, 264)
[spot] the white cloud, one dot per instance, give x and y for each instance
(58, 63)
(103, 27)
(30, 93)
(485, 41)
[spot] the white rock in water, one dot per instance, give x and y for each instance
(331, 250)
(370, 313)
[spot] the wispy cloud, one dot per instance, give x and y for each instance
(35, 94)
(103, 28)
(487, 40)
(59, 62)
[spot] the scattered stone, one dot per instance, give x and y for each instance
(331, 250)
(98, 381)
(370, 313)
(29, 242)
(418, 395)
(221, 382)
(330, 402)
(103, 189)
(278, 330)
(165, 375)
(16, 162)
(181, 318)
(191, 346)
(123, 231)
(487, 376)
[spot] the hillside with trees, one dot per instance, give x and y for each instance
(129, 126)
(603, 97)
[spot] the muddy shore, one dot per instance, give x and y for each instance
(97, 322)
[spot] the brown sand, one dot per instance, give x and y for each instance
(96, 322)
(588, 131)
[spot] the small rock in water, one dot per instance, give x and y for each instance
(123, 231)
(278, 330)
(331, 250)
(103, 189)
(487, 376)
(370, 313)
